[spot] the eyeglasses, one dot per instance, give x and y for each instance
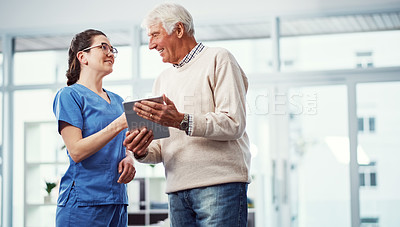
(105, 48)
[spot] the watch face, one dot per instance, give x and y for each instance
(185, 122)
(184, 125)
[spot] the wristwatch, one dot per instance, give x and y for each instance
(184, 125)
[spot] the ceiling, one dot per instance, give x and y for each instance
(303, 26)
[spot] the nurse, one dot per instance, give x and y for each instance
(92, 125)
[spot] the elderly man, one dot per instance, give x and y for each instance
(206, 157)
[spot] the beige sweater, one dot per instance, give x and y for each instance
(212, 87)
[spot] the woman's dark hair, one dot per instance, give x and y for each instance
(79, 42)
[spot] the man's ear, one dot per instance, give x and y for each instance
(81, 57)
(179, 29)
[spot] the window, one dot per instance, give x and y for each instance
(287, 65)
(45, 58)
(38, 103)
(362, 179)
(151, 64)
(1, 129)
(341, 51)
(1, 65)
(379, 195)
(1, 100)
(372, 179)
(366, 124)
(253, 55)
(364, 59)
(371, 124)
(122, 68)
(39, 67)
(258, 122)
(368, 175)
(360, 124)
(319, 158)
(369, 222)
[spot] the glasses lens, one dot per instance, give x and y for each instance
(115, 51)
(106, 48)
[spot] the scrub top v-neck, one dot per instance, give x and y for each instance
(95, 178)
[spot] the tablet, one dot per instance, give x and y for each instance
(137, 122)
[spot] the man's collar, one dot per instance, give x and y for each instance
(195, 51)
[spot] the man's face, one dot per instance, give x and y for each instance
(166, 45)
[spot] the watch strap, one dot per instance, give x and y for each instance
(184, 123)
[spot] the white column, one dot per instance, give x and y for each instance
(275, 37)
(136, 40)
(354, 179)
(7, 129)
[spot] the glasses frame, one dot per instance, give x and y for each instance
(111, 49)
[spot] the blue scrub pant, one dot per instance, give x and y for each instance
(71, 214)
(213, 206)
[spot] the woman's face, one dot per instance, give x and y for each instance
(100, 58)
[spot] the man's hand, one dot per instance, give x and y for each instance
(138, 141)
(126, 169)
(163, 114)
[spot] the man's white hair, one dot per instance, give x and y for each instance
(169, 14)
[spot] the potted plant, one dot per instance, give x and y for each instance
(49, 188)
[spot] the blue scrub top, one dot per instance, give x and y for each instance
(95, 178)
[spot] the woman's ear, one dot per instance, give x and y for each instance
(82, 57)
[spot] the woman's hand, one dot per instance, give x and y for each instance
(137, 141)
(127, 169)
(121, 121)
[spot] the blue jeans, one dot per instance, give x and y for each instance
(218, 205)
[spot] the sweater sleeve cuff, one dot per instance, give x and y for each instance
(189, 130)
(137, 157)
(199, 125)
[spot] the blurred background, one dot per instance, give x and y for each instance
(322, 107)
